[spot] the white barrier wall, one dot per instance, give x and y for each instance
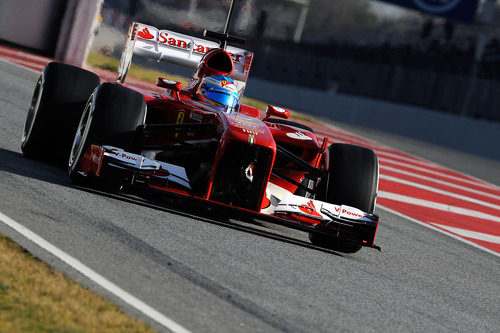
(31, 23)
(58, 28)
(460, 133)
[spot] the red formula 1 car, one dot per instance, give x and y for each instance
(200, 142)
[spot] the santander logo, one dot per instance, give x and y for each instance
(310, 209)
(144, 33)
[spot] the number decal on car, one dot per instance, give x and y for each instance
(180, 120)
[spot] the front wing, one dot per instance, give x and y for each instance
(305, 214)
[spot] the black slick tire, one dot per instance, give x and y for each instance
(111, 117)
(57, 104)
(352, 181)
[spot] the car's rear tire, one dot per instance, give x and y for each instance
(111, 117)
(290, 123)
(57, 104)
(352, 181)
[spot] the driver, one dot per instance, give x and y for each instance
(219, 90)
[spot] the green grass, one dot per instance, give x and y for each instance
(138, 72)
(36, 298)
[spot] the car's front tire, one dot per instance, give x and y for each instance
(111, 117)
(353, 181)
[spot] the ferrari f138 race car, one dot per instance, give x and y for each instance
(200, 142)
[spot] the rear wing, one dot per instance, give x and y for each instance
(176, 48)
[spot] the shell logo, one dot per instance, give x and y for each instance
(144, 33)
(436, 6)
(310, 209)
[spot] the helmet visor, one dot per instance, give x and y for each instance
(222, 99)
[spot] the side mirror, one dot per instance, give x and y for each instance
(169, 84)
(277, 112)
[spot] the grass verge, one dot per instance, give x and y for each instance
(138, 72)
(36, 298)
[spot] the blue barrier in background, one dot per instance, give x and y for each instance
(459, 10)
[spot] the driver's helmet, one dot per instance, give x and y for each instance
(219, 90)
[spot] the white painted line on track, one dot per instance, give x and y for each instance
(94, 276)
(441, 174)
(436, 205)
(407, 159)
(437, 181)
(469, 178)
(327, 132)
(436, 190)
(427, 225)
(470, 234)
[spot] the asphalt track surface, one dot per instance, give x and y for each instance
(211, 274)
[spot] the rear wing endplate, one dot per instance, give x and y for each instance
(176, 48)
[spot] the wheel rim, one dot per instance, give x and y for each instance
(33, 110)
(80, 136)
